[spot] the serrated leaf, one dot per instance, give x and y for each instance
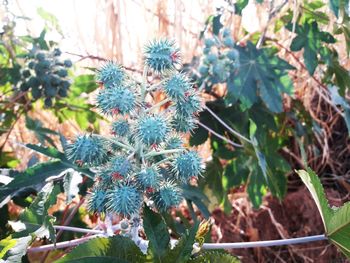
(213, 257)
(31, 177)
(311, 39)
(261, 73)
(183, 249)
(116, 248)
(156, 232)
(54, 153)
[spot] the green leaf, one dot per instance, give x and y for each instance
(213, 257)
(198, 136)
(54, 153)
(260, 72)
(50, 18)
(70, 184)
(156, 232)
(112, 249)
(183, 249)
(312, 40)
(336, 220)
(34, 175)
(84, 83)
(239, 6)
(6, 245)
(312, 182)
(217, 24)
(40, 132)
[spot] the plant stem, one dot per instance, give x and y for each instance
(70, 243)
(120, 144)
(226, 125)
(218, 135)
(268, 243)
(144, 83)
(78, 229)
(153, 153)
(159, 104)
(155, 86)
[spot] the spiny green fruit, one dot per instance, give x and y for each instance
(87, 149)
(189, 106)
(124, 200)
(68, 63)
(120, 127)
(96, 201)
(116, 99)
(177, 86)
(228, 41)
(149, 179)
(209, 42)
(152, 129)
(187, 165)
(111, 74)
(161, 55)
(168, 195)
(47, 76)
(119, 167)
(183, 123)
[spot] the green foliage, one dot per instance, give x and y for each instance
(113, 249)
(214, 256)
(312, 40)
(336, 220)
(157, 234)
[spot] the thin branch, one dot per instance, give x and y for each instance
(153, 153)
(70, 243)
(79, 230)
(218, 135)
(226, 125)
(268, 243)
(158, 105)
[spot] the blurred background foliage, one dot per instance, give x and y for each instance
(277, 72)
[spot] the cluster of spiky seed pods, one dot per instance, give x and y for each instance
(219, 59)
(46, 76)
(145, 160)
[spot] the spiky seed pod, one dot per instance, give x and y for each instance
(191, 105)
(121, 127)
(149, 179)
(209, 42)
(124, 200)
(161, 55)
(119, 167)
(233, 54)
(167, 196)
(174, 142)
(187, 165)
(177, 86)
(116, 99)
(87, 150)
(152, 130)
(183, 124)
(111, 74)
(96, 201)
